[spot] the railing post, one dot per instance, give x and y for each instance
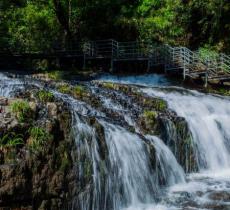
(84, 61)
(118, 50)
(206, 80)
(112, 64)
(148, 68)
(221, 62)
(184, 65)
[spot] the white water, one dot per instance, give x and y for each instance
(171, 170)
(208, 118)
(146, 79)
(8, 86)
(129, 183)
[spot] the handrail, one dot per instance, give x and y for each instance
(176, 57)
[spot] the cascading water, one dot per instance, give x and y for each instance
(129, 180)
(208, 120)
(123, 178)
(171, 170)
(126, 180)
(8, 86)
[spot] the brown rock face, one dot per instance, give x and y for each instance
(32, 178)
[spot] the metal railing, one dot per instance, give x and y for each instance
(172, 57)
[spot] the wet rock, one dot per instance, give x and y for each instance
(100, 135)
(33, 106)
(3, 101)
(44, 177)
(220, 196)
(52, 109)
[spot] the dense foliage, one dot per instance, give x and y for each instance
(43, 24)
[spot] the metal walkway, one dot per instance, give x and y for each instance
(174, 59)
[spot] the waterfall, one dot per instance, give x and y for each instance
(128, 178)
(171, 170)
(125, 178)
(120, 169)
(8, 85)
(208, 120)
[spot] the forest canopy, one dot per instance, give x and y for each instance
(43, 24)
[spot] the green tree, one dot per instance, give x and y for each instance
(158, 20)
(32, 26)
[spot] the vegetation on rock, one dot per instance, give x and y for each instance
(65, 88)
(79, 91)
(37, 155)
(10, 140)
(45, 96)
(22, 110)
(55, 75)
(39, 139)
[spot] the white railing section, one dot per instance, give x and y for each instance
(173, 58)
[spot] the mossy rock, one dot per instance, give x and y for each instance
(79, 91)
(155, 103)
(65, 88)
(148, 122)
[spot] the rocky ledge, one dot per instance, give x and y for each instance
(36, 153)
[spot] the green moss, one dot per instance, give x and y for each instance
(65, 88)
(79, 90)
(223, 91)
(157, 104)
(150, 114)
(108, 85)
(22, 110)
(160, 105)
(65, 163)
(45, 96)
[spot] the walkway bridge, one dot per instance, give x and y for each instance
(174, 59)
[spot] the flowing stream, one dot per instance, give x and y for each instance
(123, 176)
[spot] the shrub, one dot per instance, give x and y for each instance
(10, 140)
(45, 96)
(65, 88)
(22, 110)
(207, 53)
(41, 65)
(38, 138)
(223, 91)
(55, 75)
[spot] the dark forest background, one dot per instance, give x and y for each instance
(41, 24)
